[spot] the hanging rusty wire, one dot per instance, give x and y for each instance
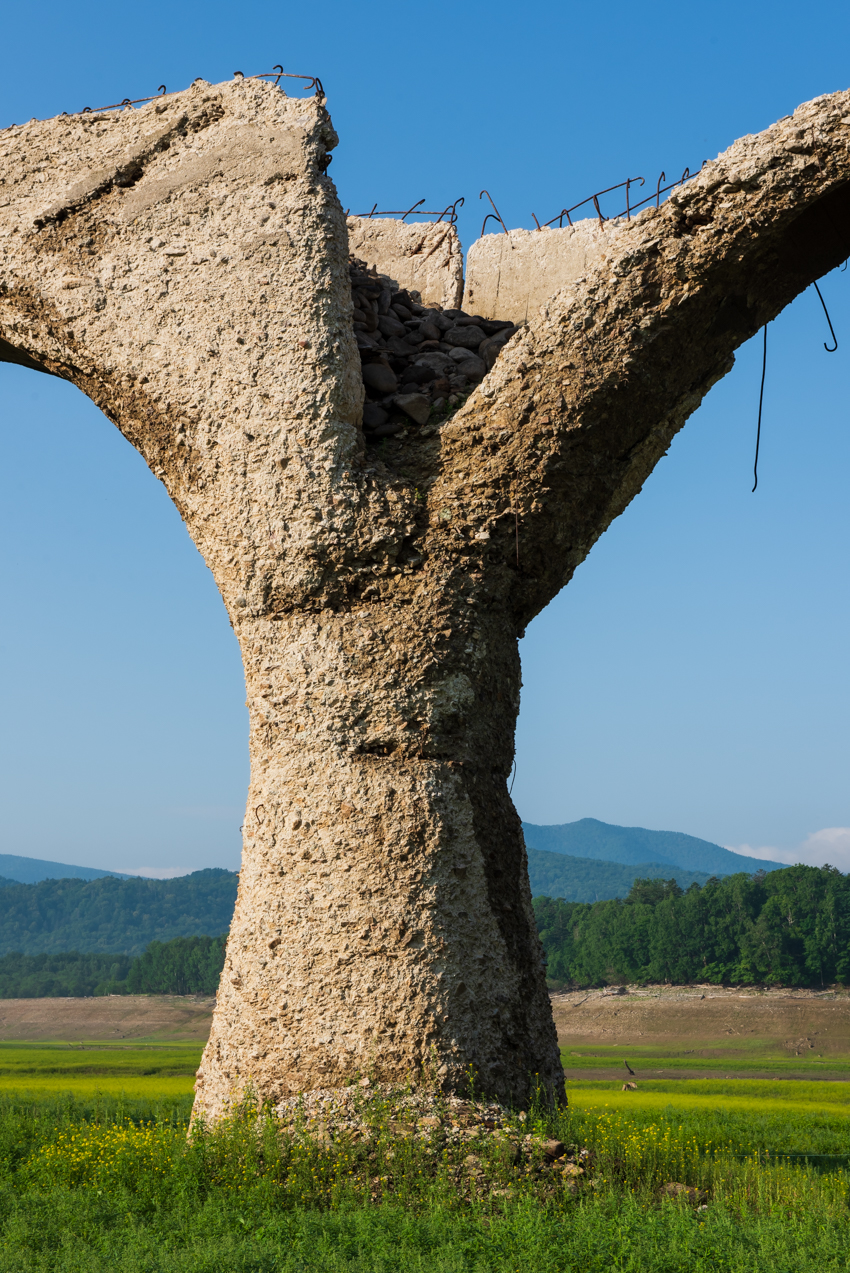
(591, 198)
(761, 399)
(829, 320)
(452, 210)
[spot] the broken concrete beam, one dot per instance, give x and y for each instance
(511, 275)
(424, 258)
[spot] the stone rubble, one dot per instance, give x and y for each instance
(446, 1122)
(367, 1114)
(416, 359)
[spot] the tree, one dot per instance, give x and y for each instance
(651, 891)
(186, 266)
(184, 966)
(789, 927)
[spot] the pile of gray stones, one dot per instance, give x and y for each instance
(417, 360)
(447, 1126)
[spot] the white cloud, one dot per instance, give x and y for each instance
(765, 854)
(827, 847)
(831, 845)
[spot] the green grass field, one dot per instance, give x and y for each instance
(139, 1072)
(742, 1116)
(78, 1059)
(97, 1176)
(649, 1057)
(743, 1096)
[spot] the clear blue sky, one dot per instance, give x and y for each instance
(694, 676)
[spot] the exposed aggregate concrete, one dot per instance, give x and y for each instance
(187, 266)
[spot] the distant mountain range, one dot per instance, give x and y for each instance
(49, 907)
(31, 870)
(635, 846)
(589, 880)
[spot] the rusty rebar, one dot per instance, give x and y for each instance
(495, 214)
(592, 198)
(630, 181)
(277, 71)
(452, 208)
(415, 210)
(96, 110)
(630, 207)
(276, 74)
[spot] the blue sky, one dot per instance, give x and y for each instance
(694, 676)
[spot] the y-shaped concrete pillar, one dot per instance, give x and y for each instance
(185, 265)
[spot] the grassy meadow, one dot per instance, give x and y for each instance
(737, 1118)
(753, 1059)
(97, 1174)
(138, 1071)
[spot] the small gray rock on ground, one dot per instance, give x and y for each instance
(416, 405)
(467, 337)
(473, 367)
(373, 416)
(378, 376)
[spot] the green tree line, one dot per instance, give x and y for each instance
(183, 966)
(789, 928)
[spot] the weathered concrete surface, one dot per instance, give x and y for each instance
(426, 258)
(187, 268)
(511, 275)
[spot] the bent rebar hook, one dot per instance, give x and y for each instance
(495, 214)
(829, 320)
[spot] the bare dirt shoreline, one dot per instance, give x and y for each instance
(659, 1023)
(144, 1018)
(708, 1022)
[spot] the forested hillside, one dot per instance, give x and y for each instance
(789, 927)
(185, 966)
(586, 880)
(110, 914)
